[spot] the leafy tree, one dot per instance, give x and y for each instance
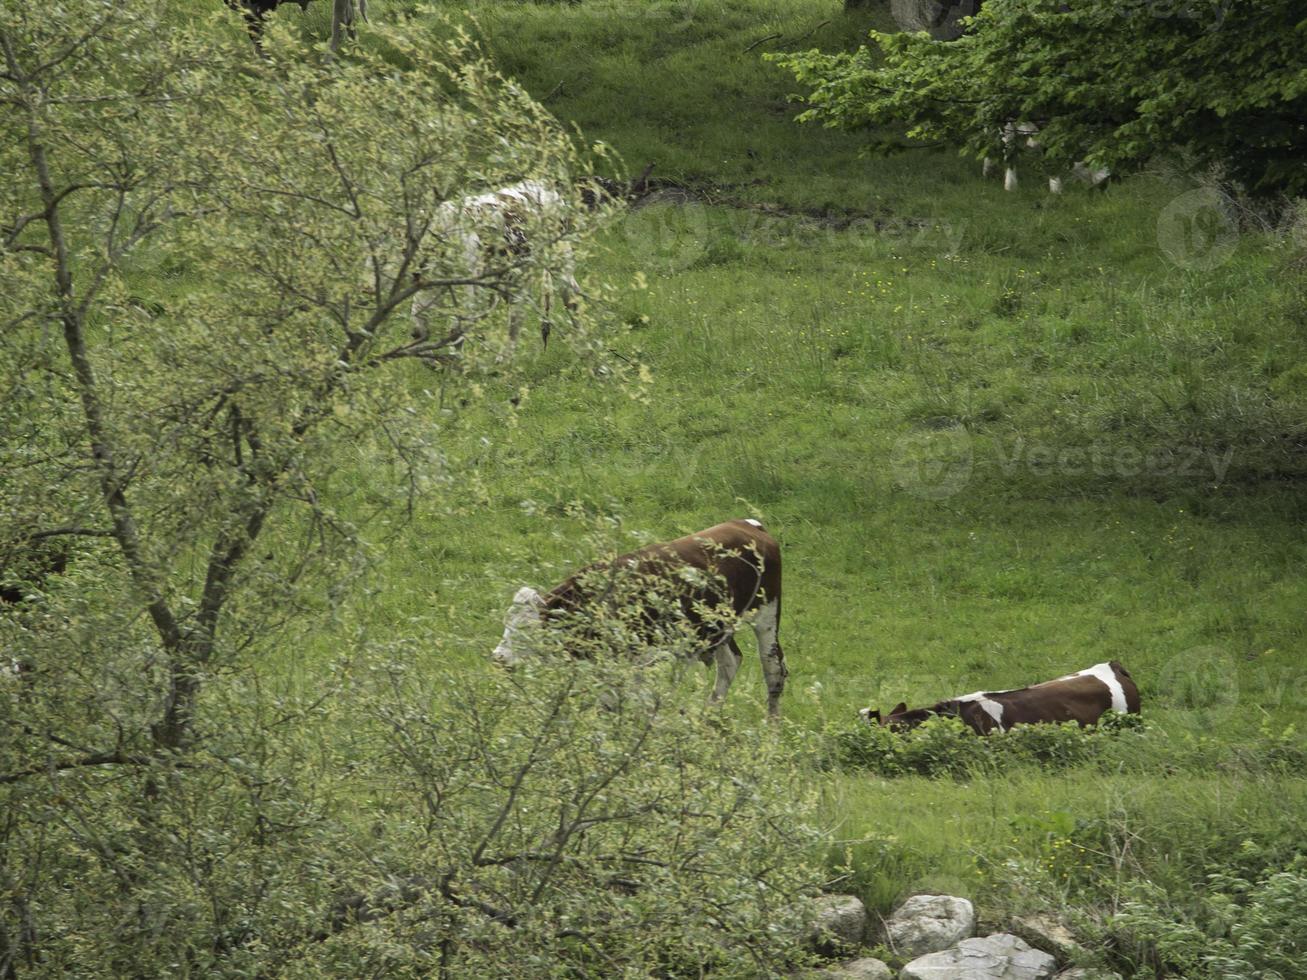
(209, 259)
(210, 264)
(1221, 82)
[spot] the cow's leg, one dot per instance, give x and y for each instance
(420, 312)
(986, 167)
(1009, 137)
(766, 626)
(571, 289)
(1055, 185)
(514, 328)
(728, 657)
(546, 321)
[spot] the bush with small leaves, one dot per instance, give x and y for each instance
(945, 746)
(1242, 928)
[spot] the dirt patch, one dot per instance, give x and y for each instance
(660, 191)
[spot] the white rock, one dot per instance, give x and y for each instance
(998, 957)
(841, 921)
(929, 923)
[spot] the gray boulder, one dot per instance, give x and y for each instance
(1047, 934)
(840, 924)
(866, 968)
(1001, 956)
(929, 923)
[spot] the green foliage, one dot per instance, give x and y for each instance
(209, 259)
(571, 818)
(865, 306)
(1241, 929)
(207, 308)
(595, 820)
(939, 747)
(944, 746)
(1114, 84)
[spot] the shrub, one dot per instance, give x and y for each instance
(572, 818)
(1241, 929)
(946, 747)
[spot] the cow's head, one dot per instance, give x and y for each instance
(523, 616)
(898, 718)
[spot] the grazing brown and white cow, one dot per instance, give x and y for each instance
(1082, 697)
(491, 234)
(732, 570)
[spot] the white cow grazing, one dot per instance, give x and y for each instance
(1015, 135)
(492, 234)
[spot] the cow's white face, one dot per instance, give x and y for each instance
(523, 616)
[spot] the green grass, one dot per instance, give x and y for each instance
(1124, 436)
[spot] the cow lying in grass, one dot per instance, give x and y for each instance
(1082, 697)
(707, 582)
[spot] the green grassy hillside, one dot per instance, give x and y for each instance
(1000, 437)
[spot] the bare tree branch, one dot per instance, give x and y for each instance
(98, 759)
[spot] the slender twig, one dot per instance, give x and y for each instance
(761, 40)
(92, 532)
(98, 759)
(790, 44)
